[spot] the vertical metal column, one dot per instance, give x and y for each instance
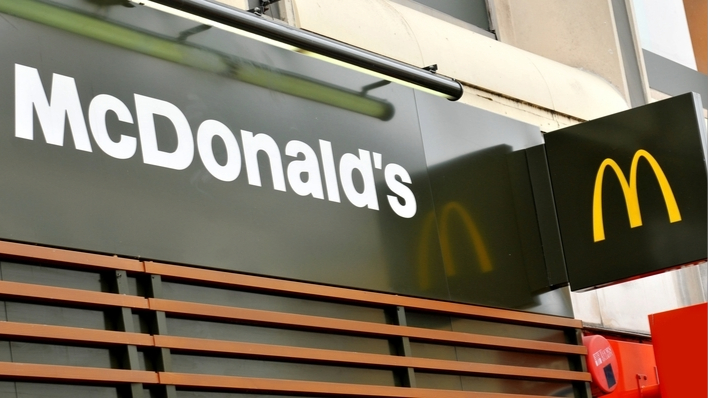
(126, 324)
(403, 348)
(631, 55)
(5, 346)
(159, 326)
(577, 363)
(547, 217)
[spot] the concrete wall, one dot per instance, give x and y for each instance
(580, 34)
(495, 72)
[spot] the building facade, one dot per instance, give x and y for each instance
(196, 209)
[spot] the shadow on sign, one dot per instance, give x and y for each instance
(485, 264)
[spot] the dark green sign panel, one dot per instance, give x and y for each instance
(135, 132)
(630, 191)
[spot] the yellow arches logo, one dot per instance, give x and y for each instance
(485, 263)
(629, 188)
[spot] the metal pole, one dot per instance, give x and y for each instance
(450, 88)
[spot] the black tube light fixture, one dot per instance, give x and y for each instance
(208, 60)
(317, 46)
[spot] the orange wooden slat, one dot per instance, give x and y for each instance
(33, 253)
(75, 373)
(76, 258)
(65, 295)
(248, 384)
(299, 354)
(70, 334)
(356, 296)
(322, 324)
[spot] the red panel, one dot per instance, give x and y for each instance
(634, 359)
(679, 339)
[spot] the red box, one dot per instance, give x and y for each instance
(680, 349)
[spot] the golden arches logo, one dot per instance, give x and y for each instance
(475, 237)
(629, 189)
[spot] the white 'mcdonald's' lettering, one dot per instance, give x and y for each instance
(125, 147)
(30, 96)
(347, 164)
(206, 133)
(307, 175)
(408, 208)
(181, 158)
(252, 144)
(313, 184)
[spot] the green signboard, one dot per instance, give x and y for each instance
(135, 132)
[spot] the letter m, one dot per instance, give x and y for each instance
(629, 189)
(64, 104)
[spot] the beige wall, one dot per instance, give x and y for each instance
(499, 77)
(586, 81)
(580, 34)
(242, 4)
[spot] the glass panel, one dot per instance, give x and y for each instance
(41, 390)
(264, 335)
(279, 370)
(444, 322)
(52, 354)
(202, 394)
(497, 357)
(663, 30)
(218, 296)
(471, 11)
(60, 316)
(40, 275)
(481, 384)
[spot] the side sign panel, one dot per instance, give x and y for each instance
(484, 206)
(630, 191)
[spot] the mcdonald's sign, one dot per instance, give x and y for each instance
(620, 222)
(629, 189)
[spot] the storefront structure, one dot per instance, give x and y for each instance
(203, 158)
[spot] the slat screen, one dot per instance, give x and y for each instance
(85, 325)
